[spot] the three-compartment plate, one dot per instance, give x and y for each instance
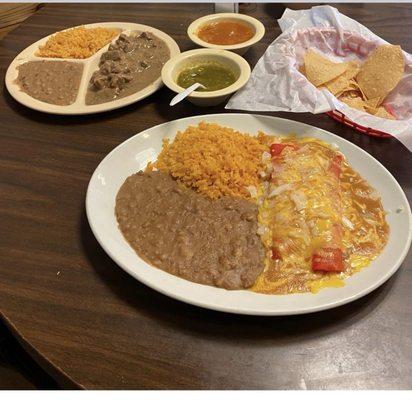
(134, 154)
(90, 65)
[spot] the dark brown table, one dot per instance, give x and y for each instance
(91, 325)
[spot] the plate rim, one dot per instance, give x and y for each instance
(55, 109)
(312, 309)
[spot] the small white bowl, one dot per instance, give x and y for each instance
(236, 63)
(240, 48)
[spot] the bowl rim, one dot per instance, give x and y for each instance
(259, 31)
(244, 76)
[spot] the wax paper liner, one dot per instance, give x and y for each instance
(277, 85)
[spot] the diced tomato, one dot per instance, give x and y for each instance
(275, 254)
(328, 259)
(335, 166)
(277, 148)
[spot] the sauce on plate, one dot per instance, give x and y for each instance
(225, 32)
(320, 220)
(131, 63)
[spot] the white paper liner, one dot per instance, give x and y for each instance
(277, 85)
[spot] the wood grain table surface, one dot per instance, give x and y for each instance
(90, 325)
(18, 370)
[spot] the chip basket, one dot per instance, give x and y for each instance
(343, 119)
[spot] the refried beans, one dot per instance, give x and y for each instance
(213, 242)
(54, 82)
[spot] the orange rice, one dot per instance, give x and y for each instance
(78, 42)
(214, 160)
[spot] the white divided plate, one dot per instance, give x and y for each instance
(90, 65)
(133, 155)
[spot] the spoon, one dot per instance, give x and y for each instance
(180, 96)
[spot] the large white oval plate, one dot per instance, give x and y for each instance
(136, 152)
(90, 65)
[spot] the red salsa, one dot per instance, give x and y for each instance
(225, 32)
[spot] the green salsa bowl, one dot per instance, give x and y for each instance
(222, 73)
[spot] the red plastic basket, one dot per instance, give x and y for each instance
(342, 118)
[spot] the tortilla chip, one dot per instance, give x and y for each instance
(371, 105)
(351, 88)
(381, 71)
(345, 81)
(302, 70)
(338, 85)
(351, 93)
(320, 70)
(353, 69)
(382, 113)
(373, 102)
(353, 85)
(354, 102)
(361, 91)
(355, 93)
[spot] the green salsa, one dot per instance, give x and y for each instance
(212, 75)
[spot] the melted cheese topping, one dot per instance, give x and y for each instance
(304, 206)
